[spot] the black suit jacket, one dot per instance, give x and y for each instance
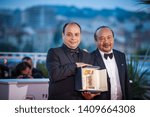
(122, 70)
(62, 69)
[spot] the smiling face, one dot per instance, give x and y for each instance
(71, 36)
(104, 40)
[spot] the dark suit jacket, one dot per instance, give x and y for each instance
(122, 69)
(62, 69)
(36, 73)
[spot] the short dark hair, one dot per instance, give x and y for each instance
(71, 23)
(22, 66)
(101, 27)
(26, 58)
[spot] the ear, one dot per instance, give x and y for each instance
(95, 41)
(63, 36)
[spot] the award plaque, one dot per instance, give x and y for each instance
(91, 79)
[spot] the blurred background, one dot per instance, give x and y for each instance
(35, 26)
(31, 27)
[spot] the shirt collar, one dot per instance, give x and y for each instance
(71, 50)
(102, 53)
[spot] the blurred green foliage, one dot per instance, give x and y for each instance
(42, 66)
(138, 77)
(142, 52)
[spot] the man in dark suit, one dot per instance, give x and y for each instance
(62, 63)
(114, 62)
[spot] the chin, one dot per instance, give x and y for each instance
(74, 46)
(107, 50)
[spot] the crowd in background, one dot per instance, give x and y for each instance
(24, 69)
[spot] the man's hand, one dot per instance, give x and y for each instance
(82, 64)
(89, 95)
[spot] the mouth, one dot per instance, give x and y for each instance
(73, 42)
(106, 45)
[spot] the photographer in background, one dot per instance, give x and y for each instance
(23, 70)
(4, 70)
(36, 73)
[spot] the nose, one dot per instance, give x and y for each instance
(105, 40)
(73, 37)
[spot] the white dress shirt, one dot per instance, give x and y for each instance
(112, 70)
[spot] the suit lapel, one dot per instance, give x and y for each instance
(68, 54)
(81, 56)
(99, 60)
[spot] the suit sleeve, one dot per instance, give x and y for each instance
(127, 84)
(56, 70)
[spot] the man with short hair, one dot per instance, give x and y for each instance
(114, 62)
(62, 63)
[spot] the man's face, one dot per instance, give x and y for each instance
(105, 40)
(71, 36)
(27, 71)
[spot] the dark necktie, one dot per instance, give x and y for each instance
(108, 55)
(74, 53)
